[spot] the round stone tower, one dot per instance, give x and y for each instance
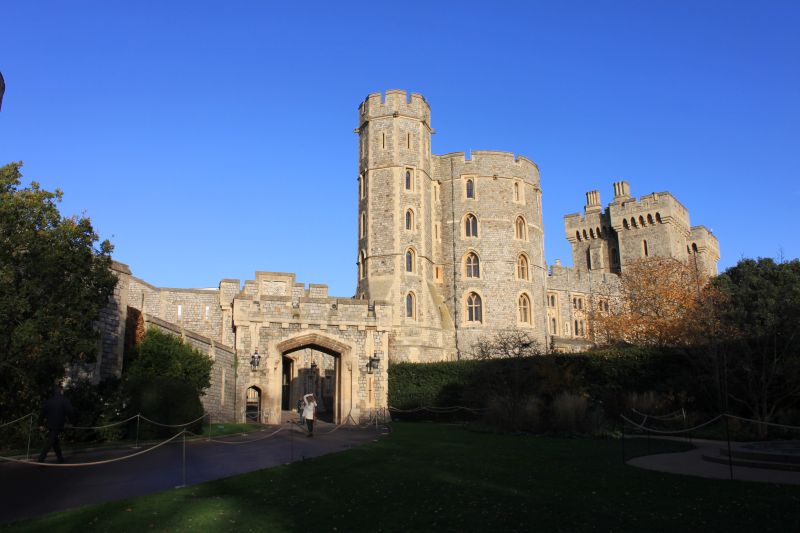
(395, 219)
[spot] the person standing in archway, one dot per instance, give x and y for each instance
(309, 409)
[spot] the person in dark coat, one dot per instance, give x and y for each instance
(55, 413)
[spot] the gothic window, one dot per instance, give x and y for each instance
(471, 225)
(411, 260)
(520, 229)
(474, 312)
(362, 230)
(633, 222)
(410, 220)
(522, 267)
(473, 268)
(649, 219)
(470, 189)
(409, 180)
(524, 308)
(553, 326)
(411, 306)
(644, 248)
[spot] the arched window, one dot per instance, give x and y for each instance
(410, 220)
(473, 267)
(516, 191)
(625, 223)
(591, 233)
(470, 188)
(641, 221)
(553, 326)
(361, 186)
(471, 225)
(578, 235)
(576, 328)
(520, 229)
(362, 229)
(411, 260)
(411, 306)
(633, 222)
(658, 218)
(474, 311)
(524, 308)
(409, 181)
(585, 235)
(644, 248)
(650, 219)
(694, 247)
(362, 265)
(522, 267)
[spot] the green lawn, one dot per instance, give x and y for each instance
(431, 477)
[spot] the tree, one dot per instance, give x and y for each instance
(762, 370)
(661, 302)
(165, 378)
(54, 279)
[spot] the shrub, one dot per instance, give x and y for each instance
(569, 413)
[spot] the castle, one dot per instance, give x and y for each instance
(450, 249)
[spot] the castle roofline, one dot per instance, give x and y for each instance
(474, 154)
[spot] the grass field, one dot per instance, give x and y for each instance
(432, 477)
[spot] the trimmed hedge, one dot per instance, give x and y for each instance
(604, 376)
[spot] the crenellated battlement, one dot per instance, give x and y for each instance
(395, 103)
(493, 163)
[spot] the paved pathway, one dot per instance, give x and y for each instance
(691, 463)
(28, 490)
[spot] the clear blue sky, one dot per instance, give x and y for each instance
(210, 140)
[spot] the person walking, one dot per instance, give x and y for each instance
(55, 412)
(309, 409)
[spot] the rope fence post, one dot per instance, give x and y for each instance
(623, 441)
(30, 431)
(728, 436)
(138, 419)
(183, 462)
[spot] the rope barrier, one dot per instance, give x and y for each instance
(94, 463)
(764, 423)
(105, 426)
(17, 420)
(433, 409)
(173, 425)
(673, 432)
(240, 441)
(674, 414)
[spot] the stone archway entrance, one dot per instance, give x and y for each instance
(316, 364)
(252, 411)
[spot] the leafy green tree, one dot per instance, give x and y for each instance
(54, 279)
(165, 379)
(762, 366)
